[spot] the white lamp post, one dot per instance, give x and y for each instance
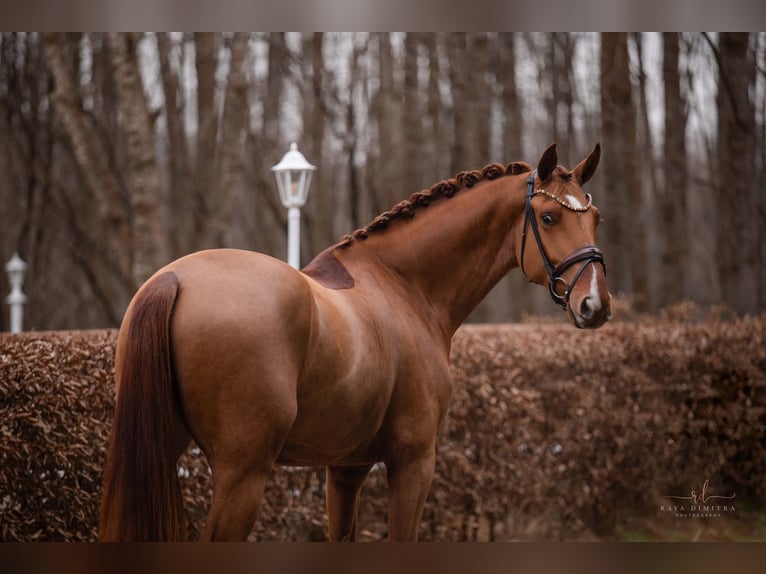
(293, 174)
(16, 299)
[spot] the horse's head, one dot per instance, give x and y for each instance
(557, 239)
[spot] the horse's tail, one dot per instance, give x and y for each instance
(141, 497)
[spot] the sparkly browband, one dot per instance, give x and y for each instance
(564, 202)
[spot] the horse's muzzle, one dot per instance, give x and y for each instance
(590, 311)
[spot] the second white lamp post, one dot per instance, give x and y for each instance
(293, 175)
(16, 299)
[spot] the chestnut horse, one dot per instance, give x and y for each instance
(343, 364)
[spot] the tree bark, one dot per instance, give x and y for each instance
(567, 43)
(275, 88)
(760, 240)
(648, 181)
(736, 232)
(89, 155)
(181, 188)
(463, 123)
(673, 198)
(481, 95)
(435, 110)
(515, 287)
(513, 120)
(554, 98)
(625, 237)
(268, 149)
(229, 153)
(205, 50)
(412, 117)
(143, 176)
(389, 188)
(343, 219)
(320, 210)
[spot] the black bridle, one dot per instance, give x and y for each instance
(588, 254)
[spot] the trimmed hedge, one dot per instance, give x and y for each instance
(553, 433)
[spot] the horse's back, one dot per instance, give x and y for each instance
(230, 294)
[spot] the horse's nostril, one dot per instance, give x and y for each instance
(586, 311)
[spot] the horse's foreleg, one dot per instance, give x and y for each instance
(409, 480)
(343, 487)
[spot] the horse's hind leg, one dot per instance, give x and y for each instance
(242, 459)
(237, 498)
(343, 487)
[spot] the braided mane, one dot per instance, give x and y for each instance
(447, 188)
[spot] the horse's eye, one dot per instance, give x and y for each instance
(547, 219)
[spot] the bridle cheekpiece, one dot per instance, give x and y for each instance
(588, 254)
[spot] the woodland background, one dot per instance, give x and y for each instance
(120, 152)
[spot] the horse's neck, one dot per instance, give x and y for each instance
(453, 252)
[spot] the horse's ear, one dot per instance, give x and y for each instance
(587, 167)
(547, 163)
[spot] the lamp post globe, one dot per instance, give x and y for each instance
(15, 268)
(293, 175)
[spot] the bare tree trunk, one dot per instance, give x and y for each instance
(143, 176)
(105, 107)
(760, 241)
(270, 217)
(513, 120)
(389, 163)
(435, 110)
(275, 89)
(553, 99)
(321, 209)
(205, 50)
(412, 117)
(567, 44)
(180, 185)
(481, 94)
(558, 66)
(36, 148)
(649, 188)
(515, 287)
(456, 44)
(463, 120)
(363, 205)
(736, 234)
(229, 156)
(625, 237)
(89, 155)
(673, 199)
(346, 203)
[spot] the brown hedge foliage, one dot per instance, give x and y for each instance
(56, 401)
(553, 433)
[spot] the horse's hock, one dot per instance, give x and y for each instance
(549, 435)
